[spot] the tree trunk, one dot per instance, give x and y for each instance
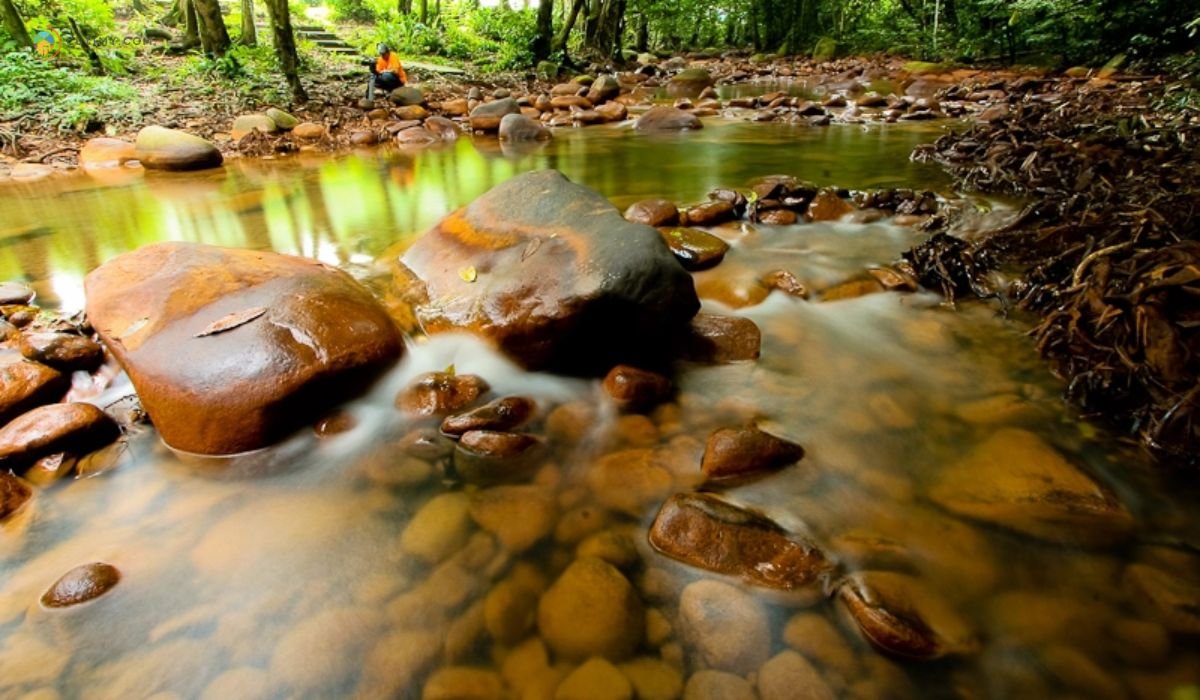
(424, 12)
(214, 37)
(249, 35)
(14, 25)
(545, 30)
(560, 42)
(174, 15)
(643, 35)
(602, 34)
(191, 24)
(93, 57)
(285, 46)
(404, 6)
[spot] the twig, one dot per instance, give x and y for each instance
(42, 158)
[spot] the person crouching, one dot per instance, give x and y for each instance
(386, 73)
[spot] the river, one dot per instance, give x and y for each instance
(301, 580)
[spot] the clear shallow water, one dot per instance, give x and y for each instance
(306, 582)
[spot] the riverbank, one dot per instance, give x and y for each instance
(1106, 252)
(855, 90)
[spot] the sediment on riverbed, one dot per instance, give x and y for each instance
(1106, 252)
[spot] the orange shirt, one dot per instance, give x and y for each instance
(391, 63)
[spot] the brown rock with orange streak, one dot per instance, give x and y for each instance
(706, 532)
(231, 350)
(552, 274)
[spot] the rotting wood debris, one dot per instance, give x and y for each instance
(1106, 253)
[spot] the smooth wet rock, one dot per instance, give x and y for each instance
(14, 493)
(653, 679)
(1015, 480)
(595, 679)
(323, 652)
(785, 282)
(416, 137)
(440, 393)
(63, 351)
(77, 428)
(487, 116)
(27, 385)
(603, 89)
(551, 273)
(158, 148)
(690, 82)
(653, 212)
(612, 111)
(247, 123)
(510, 611)
(726, 627)
(519, 516)
(407, 95)
(902, 616)
(438, 529)
(231, 350)
(695, 249)
(282, 119)
(812, 635)
(81, 584)
(736, 452)
(16, 294)
(518, 127)
(411, 112)
(591, 610)
(789, 676)
(505, 414)
(629, 481)
(636, 388)
(711, 213)
(443, 128)
(704, 531)
(827, 206)
(778, 217)
(310, 131)
(718, 685)
(364, 137)
(491, 456)
(717, 339)
(667, 119)
(101, 153)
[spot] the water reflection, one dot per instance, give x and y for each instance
(349, 209)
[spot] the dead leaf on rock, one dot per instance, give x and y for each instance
(233, 320)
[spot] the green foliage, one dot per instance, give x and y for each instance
(497, 40)
(355, 10)
(250, 71)
(62, 96)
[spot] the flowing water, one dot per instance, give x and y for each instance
(337, 566)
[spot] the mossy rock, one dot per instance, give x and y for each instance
(693, 76)
(826, 49)
(927, 67)
(547, 70)
(282, 119)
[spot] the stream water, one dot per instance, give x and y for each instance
(346, 571)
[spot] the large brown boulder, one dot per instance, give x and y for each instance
(231, 350)
(550, 272)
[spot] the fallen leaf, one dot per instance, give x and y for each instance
(233, 320)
